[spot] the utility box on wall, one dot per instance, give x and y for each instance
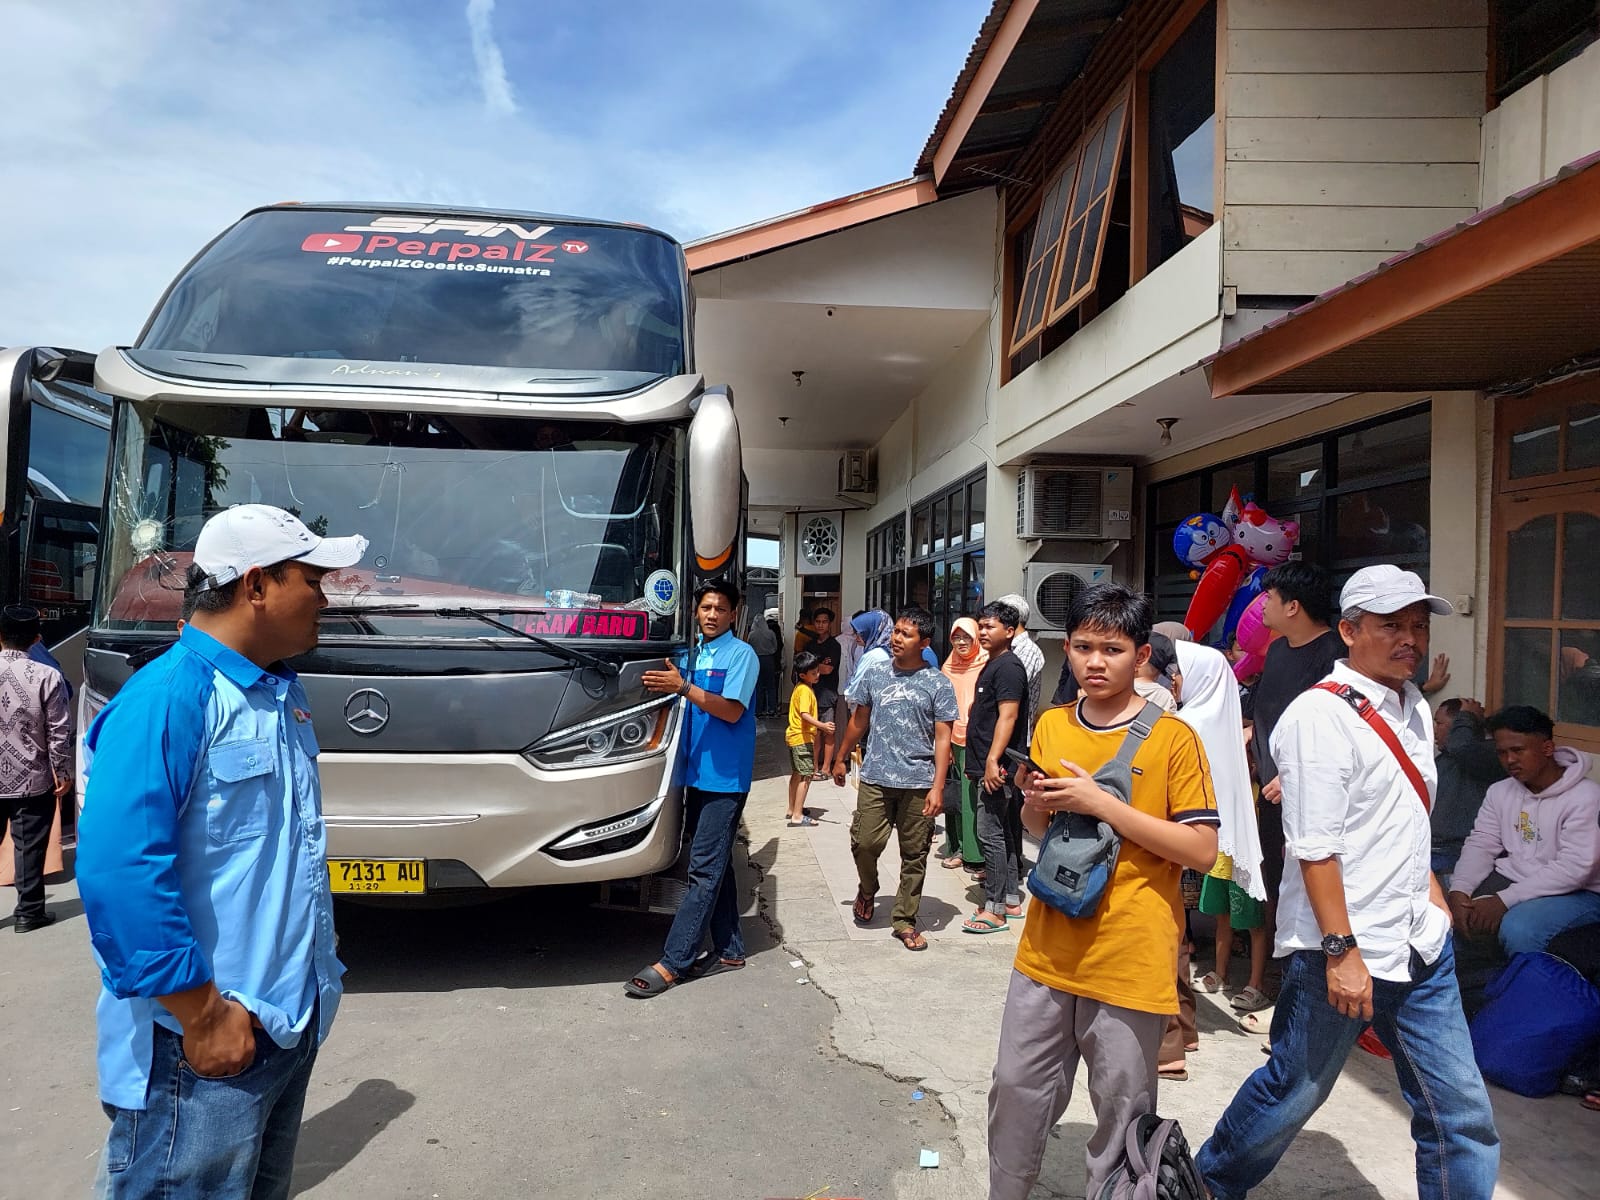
(1063, 502)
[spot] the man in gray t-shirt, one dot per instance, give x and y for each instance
(905, 710)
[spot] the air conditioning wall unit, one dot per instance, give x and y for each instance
(1052, 588)
(1092, 503)
(858, 479)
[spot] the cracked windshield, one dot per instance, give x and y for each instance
(536, 523)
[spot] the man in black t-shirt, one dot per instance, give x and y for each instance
(998, 720)
(825, 647)
(1299, 607)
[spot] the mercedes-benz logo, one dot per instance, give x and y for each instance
(366, 712)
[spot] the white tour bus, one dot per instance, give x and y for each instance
(506, 406)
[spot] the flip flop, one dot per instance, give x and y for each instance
(651, 981)
(1176, 1074)
(910, 938)
(1211, 983)
(706, 964)
(1015, 916)
(951, 863)
(1259, 1021)
(977, 924)
(1251, 1000)
(863, 908)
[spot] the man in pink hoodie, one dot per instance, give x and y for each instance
(1530, 868)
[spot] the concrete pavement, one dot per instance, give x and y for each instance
(934, 1018)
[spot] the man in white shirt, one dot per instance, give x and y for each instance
(1028, 654)
(1361, 917)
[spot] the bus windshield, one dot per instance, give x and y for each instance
(596, 302)
(506, 515)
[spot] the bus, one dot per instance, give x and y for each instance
(54, 439)
(506, 405)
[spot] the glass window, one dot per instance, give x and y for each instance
(1294, 475)
(1385, 450)
(1578, 698)
(312, 285)
(1532, 38)
(1530, 570)
(67, 455)
(1042, 255)
(1527, 667)
(955, 584)
(1079, 267)
(1225, 479)
(1182, 139)
(1583, 438)
(973, 582)
(1177, 500)
(1532, 449)
(1387, 523)
(457, 512)
(976, 502)
(1580, 555)
(958, 517)
(922, 533)
(941, 525)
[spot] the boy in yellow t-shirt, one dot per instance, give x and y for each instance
(1100, 988)
(803, 727)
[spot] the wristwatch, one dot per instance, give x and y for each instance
(1337, 945)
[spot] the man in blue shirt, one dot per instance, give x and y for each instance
(201, 863)
(721, 752)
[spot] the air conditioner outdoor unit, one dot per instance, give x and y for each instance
(1052, 588)
(1093, 503)
(855, 472)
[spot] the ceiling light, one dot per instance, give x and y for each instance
(1166, 424)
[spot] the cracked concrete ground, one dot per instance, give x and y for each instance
(933, 1018)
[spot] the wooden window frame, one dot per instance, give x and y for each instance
(1096, 137)
(1059, 202)
(1519, 501)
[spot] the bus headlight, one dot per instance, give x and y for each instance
(626, 736)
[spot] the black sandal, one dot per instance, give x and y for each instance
(642, 986)
(707, 963)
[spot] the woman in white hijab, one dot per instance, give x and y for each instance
(1210, 706)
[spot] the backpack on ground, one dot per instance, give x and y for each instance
(1542, 1017)
(1155, 1166)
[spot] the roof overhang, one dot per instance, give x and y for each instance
(1501, 298)
(819, 220)
(1026, 55)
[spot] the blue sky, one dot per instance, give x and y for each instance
(135, 132)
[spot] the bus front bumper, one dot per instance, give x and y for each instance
(497, 820)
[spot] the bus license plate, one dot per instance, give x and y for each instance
(381, 876)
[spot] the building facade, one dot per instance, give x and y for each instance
(1342, 258)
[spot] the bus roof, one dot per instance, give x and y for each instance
(441, 210)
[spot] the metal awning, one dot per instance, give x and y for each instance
(1501, 298)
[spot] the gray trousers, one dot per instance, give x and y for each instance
(1043, 1035)
(1000, 837)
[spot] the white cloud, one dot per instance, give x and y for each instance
(497, 95)
(172, 118)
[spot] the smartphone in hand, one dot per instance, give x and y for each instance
(1018, 759)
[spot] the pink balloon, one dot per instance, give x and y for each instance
(1252, 632)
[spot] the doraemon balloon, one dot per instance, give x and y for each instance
(1198, 538)
(1254, 540)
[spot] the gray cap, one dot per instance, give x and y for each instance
(1387, 589)
(1018, 603)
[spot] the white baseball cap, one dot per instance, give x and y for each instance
(259, 535)
(1387, 589)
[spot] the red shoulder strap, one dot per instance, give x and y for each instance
(1367, 713)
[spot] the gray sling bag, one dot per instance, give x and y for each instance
(1078, 856)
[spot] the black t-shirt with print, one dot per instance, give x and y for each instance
(1003, 678)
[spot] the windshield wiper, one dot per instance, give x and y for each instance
(581, 657)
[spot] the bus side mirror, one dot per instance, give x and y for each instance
(716, 481)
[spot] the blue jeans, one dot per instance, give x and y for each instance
(767, 688)
(712, 901)
(1529, 926)
(1421, 1024)
(210, 1139)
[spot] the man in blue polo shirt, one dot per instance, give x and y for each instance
(202, 867)
(720, 760)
